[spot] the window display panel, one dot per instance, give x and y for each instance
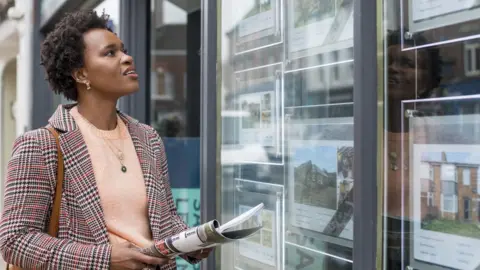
(448, 230)
(315, 27)
(287, 131)
(444, 21)
(262, 249)
(258, 94)
(431, 138)
(259, 24)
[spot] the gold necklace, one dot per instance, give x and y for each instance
(119, 154)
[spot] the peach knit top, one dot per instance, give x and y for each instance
(122, 194)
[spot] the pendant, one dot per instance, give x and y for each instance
(124, 169)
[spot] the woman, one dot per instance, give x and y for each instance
(116, 191)
(411, 75)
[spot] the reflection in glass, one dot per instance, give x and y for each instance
(431, 132)
(168, 72)
(287, 130)
(175, 100)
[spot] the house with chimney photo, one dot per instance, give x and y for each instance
(450, 201)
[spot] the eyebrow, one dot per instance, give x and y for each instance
(113, 46)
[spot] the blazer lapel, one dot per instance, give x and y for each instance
(79, 170)
(147, 162)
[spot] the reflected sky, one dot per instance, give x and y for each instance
(325, 157)
(452, 157)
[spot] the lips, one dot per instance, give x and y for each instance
(130, 71)
(394, 79)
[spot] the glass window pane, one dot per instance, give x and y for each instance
(175, 99)
(477, 58)
(470, 60)
(466, 177)
(432, 118)
(448, 172)
(287, 130)
(425, 169)
(449, 188)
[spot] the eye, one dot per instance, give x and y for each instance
(110, 53)
(125, 51)
(408, 62)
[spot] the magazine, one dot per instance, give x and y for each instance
(207, 235)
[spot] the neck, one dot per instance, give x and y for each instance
(394, 208)
(100, 113)
(395, 115)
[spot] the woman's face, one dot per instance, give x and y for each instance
(405, 75)
(108, 68)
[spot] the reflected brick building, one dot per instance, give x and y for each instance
(450, 191)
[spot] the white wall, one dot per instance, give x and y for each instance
(24, 67)
(8, 96)
(15, 59)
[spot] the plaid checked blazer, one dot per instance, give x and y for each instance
(82, 241)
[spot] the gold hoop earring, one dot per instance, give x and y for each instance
(88, 85)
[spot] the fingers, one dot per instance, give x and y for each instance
(137, 265)
(148, 259)
(125, 244)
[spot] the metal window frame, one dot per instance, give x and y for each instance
(208, 117)
(135, 34)
(366, 135)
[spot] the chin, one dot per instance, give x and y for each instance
(125, 92)
(400, 93)
(134, 90)
(131, 90)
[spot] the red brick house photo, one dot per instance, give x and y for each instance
(450, 200)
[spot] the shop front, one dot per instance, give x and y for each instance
(287, 116)
(356, 123)
(431, 115)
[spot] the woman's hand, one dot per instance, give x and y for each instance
(125, 257)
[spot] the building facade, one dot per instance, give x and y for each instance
(15, 76)
(355, 123)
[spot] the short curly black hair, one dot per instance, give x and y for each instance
(62, 50)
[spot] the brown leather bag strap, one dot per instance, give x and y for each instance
(55, 215)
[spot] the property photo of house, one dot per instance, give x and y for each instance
(316, 176)
(450, 200)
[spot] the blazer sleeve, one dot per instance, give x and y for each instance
(27, 202)
(178, 225)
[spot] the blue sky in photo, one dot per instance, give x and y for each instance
(452, 157)
(324, 157)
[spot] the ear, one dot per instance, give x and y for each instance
(80, 75)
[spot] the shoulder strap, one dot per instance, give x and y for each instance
(55, 215)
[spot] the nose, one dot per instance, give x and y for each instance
(127, 59)
(394, 67)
